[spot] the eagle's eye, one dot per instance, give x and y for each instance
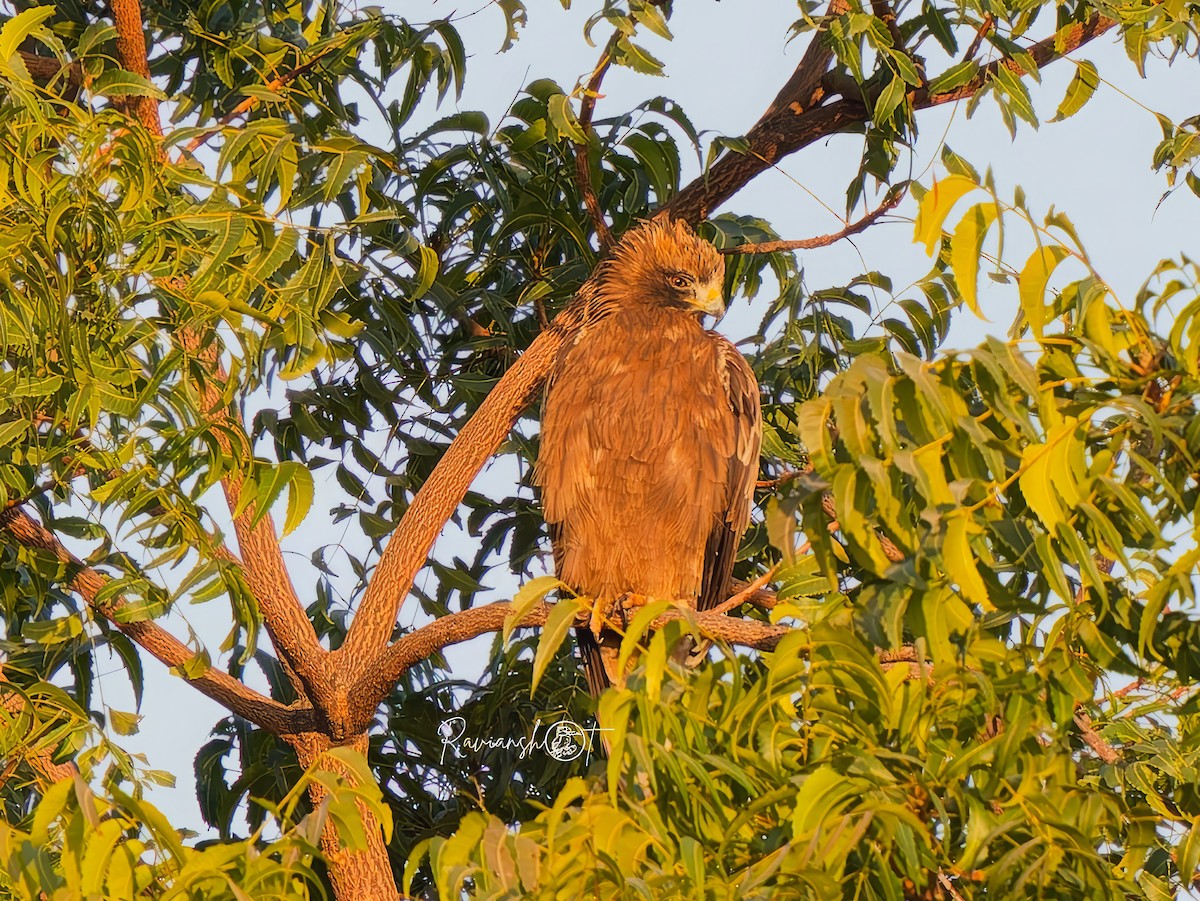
(679, 281)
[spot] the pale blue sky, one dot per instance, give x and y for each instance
(727, 62)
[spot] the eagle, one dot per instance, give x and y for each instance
(650, 435)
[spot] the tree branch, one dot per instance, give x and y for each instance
(793, 121)
(822, 240)
(1045, 51)
(44, 69)
(131, 53)
(458, 627)
(583, 174)
(286, 622)
(220, 686)
(1106, 752)
(408, 548)
(798, 99)
(14, 702)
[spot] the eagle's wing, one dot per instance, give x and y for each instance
(741, 390)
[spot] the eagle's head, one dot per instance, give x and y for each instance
(664, 263)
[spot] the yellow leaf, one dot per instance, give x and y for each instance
(935, 207)
(1050, 474)
(965, 247)
(1035, 485)
(960, 563)
(1032, 285)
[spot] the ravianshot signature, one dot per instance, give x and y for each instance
(564, 740)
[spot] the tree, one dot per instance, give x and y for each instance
(924, 705)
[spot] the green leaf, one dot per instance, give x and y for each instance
(562, 117)
(120, 83)
(300, 497)
(1083, 85)
(558, 623)
(1048, 477)
(20, 27)
(637, 58)
(515, 16)
(529, 595)
(954, 77)
(650, 16)
(427, 271)
(13, 432)
(1017, 93)
(960, 562)
(935, 207)
(889, 98)
(123, 723)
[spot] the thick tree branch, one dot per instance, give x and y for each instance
(286, 622)
(458, 627)
(45, 69)
(798, 99)
(821, 240)
(221, 687)
(409, 546)
(131, 52)
(40, 759)
(793, 121)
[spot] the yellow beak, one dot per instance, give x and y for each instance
(710, 299)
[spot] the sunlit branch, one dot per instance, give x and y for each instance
(583, 175)
(458, 627)
(220, 686)
(821, 240)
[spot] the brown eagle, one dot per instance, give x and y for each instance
(651, 428)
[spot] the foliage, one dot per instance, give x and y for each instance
(80, 842)
(817, 772)
(1016, 518)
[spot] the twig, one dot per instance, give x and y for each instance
(1094, 740)
(763, 598)
(781, 479)
(583, 174)
(984, 27)
(945, 883)
(744, 595)
(246, 105)
(822, 240)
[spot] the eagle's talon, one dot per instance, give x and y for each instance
(596, 622)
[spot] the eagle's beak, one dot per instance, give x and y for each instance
(710, 299)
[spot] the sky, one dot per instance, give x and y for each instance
(726, 63)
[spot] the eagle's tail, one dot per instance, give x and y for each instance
(599, 658)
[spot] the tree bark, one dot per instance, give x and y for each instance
(363, 874)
